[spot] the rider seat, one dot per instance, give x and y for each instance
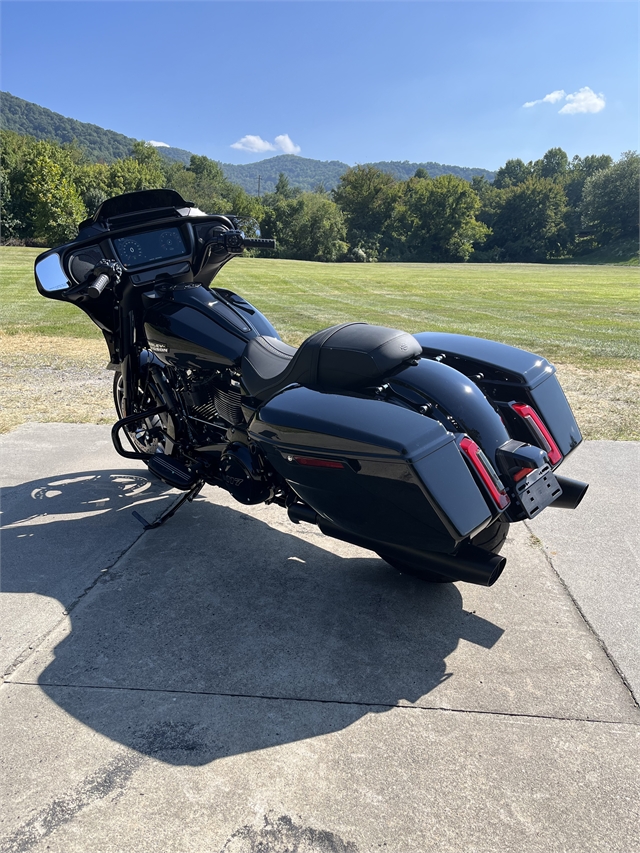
(343, 357)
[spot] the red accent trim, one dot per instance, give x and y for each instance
(522, 473)
(313, 462)
(471, 451)
(540, 431)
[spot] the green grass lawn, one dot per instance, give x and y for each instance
(582, 315)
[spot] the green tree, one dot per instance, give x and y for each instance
(513, 172)
(55, 204)
(436, 220)
(307, 227)
(553, 165)
(92, 183)
(367, 197)
(529, 221)
(283, 189)
(610, 200)
(578, 171)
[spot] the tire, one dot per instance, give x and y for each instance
(492, 538)
(146, 436)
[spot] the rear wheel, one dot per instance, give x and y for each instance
(145, 436)
(492, 538)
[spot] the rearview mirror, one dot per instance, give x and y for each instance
(50, 274)
(248, 225)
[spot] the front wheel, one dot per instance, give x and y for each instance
(148, 435)
(492, 538)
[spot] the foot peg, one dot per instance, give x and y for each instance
(173, 472)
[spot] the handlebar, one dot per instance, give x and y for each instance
(258, 243)
(105, 272)
(95, 288)
(235, 241)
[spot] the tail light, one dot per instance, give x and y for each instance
(485, 471)
(539, 430)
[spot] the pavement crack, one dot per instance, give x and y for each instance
(314, 700)
(610, 657)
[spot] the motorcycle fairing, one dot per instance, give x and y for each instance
(400, 478)
(507, 374)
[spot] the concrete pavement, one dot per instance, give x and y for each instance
(235, 682)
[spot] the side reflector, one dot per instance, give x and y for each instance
(486, 472)
(539, 430)
(313, 462)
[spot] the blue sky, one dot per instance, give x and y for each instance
(353, 81)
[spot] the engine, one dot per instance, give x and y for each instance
(211, 397)
(244, 475)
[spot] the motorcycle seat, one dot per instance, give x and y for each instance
(343, 357)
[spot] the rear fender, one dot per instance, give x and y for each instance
(459, 403)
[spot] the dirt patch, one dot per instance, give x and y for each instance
(605, 402)
(54, 380)
(64, 380)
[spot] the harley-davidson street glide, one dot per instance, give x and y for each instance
(423, 448)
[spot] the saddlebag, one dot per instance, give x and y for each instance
(509, 375)
(372, 468)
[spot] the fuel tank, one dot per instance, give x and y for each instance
(192, 326)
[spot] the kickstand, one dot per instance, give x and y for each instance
(188, 496)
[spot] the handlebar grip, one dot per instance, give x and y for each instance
(95, 289)
(258, 243)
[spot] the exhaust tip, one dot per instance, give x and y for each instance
(572, 493)
(500, 563)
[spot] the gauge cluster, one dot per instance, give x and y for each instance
(149, 247)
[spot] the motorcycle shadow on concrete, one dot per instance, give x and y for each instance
(219, 634)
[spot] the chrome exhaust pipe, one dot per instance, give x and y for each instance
(572, 493)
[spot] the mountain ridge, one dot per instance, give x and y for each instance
(101, 144)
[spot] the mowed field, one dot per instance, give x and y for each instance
(586, 319)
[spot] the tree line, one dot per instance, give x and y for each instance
(537, 211)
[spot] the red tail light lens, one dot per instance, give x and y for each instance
(314, 462)
(539, 430)
(486, 472)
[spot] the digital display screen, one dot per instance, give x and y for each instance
(149, 247)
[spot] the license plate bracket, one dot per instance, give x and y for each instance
(538, 490)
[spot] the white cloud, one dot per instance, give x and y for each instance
(253, 143)
(584, 100)
(158, 144)
(257, 145)
(286, 145)
(551, 98)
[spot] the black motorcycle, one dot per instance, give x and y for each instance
(422, 448)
